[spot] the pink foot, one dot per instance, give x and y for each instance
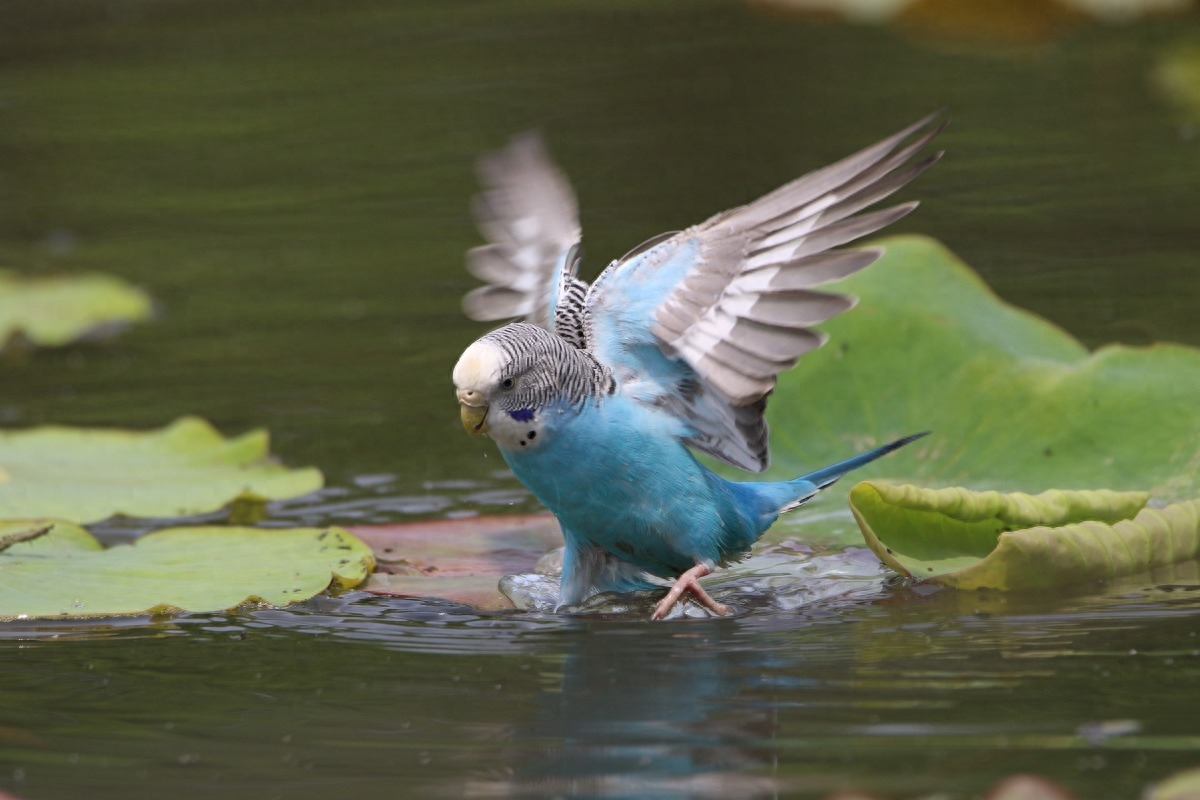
(689, 582)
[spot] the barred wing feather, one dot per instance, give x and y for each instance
(529, 215)
(731, 303)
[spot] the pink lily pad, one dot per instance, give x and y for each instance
(457, 559)
(1028, 787)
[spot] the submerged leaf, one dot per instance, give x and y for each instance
(973, 540)
(1013, 402)
(66, 573)
(1028, 787)
(51, 312)
(461, 560)
(186, 468)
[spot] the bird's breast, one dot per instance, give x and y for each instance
(619, 482)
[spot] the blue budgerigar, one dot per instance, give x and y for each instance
(598, 397)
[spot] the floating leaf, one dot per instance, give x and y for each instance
(51, 312)
(1178, 77)
(34, 540)
(1014, 402)
(186, 468)
(457, 559)
(973, 540)
(66, 573)
(1180, 786)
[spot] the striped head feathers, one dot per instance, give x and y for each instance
(506, 381)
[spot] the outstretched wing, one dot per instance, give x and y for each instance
(704, 321)
(529, 215)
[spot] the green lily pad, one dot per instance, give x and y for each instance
(1014, 403)
(31, 538)
(66, 573)
(1180, 786)
(974, 540)
(85, 475)
(1178, 77)
(52, 312)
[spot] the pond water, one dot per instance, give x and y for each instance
(290, 181)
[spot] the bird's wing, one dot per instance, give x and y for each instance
(703, 322)
(528, 213)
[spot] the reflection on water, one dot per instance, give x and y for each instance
(898, 690)
(290, 182)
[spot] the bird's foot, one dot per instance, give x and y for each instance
(689, 582)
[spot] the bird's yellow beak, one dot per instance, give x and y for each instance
(473, 411)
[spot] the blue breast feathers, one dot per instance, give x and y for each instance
(618, 477)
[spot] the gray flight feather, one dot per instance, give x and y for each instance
(529, 215)
(743, 311)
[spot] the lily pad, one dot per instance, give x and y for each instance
(1027, 787)
(52, 312)
(457, 559)
(1014, 402)
(1180, 786)
(86, 474)
(974, 540)
(1178, 77)
(66, 573)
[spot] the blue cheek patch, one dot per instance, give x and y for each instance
(522, 414)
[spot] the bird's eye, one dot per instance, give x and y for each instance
(507, 383)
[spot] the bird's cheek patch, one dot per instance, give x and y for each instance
(522, 414)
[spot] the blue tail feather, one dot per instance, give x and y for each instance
(771, 498)
(826, 476)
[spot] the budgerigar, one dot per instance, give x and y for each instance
(597, 399)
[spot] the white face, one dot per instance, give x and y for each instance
(479, 379)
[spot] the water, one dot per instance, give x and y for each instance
(290, 182)
(897, 693)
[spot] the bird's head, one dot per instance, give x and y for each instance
(506, 378)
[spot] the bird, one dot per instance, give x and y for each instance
(599, 396)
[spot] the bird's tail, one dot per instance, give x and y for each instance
(828, 475)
